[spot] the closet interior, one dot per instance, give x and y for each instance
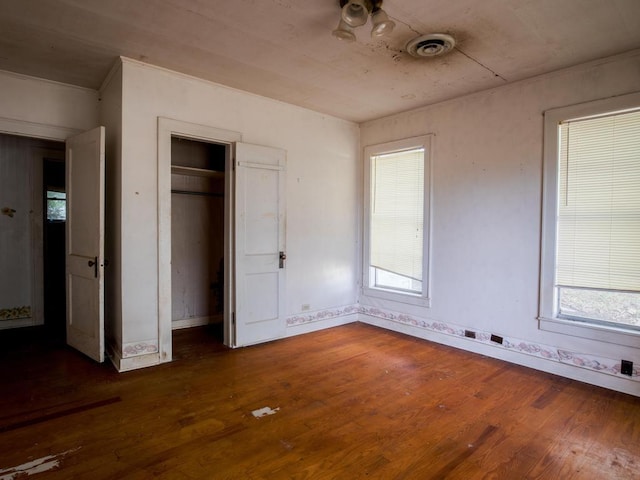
(197, 232)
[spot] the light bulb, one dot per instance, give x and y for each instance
(355, 13)
(344, 32)
(381, 24)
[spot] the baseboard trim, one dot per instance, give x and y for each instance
(134, 363)
(308, 327)
(131, 363)
(195, 322)
(548, 365)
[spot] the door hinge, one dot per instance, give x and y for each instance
(233, 319)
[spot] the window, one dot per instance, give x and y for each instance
(397, 220)
(591, 238)
(56, 206)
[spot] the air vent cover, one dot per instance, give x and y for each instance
(431, 45)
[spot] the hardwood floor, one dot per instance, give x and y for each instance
(350, 402)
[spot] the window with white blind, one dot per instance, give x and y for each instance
(397, 220)
(591, 242)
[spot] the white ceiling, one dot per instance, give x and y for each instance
(283, 49)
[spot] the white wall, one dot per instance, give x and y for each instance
(20, 233)
(322, 203)
(36, 102)
(487, 187)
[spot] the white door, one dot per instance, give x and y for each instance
(85, 243)
(260, 243)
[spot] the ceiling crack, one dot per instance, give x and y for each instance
(495, 74)
(406, 24)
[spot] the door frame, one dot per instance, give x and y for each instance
(36, 130)
(41, 131)
(168, 128)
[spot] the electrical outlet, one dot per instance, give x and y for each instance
(469, 334)
(306, 307)
(496, 339)
(626, 367)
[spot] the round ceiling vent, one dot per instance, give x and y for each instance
(431, 45)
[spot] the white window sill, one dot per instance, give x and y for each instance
(397, 296)
(602, 333)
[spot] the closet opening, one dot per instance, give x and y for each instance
(198, 239)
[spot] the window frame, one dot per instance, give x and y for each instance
(423, 299)
(548, 302)
(49, 190)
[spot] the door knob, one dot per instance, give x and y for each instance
(94, 263)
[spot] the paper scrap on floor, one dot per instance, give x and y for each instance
(261, 412)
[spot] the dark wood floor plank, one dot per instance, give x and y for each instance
(353, 402)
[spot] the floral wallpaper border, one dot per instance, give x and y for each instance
(323, 315)
(15, 313)
(583, 360)
(139, 348)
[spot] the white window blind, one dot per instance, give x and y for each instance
(397, 212)
(599, 203)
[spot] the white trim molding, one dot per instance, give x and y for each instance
(541, 357)
(195, 322)
(36, 130)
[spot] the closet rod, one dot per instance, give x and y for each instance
(204, 194)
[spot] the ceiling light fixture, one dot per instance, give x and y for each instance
(355, 13)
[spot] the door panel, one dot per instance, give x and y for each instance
(261, 221)
(260, 237)
(85, 243)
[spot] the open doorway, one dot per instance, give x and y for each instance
(54, 220)
(198, 236)
(31, 256)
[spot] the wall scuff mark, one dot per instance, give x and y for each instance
(9, 212)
